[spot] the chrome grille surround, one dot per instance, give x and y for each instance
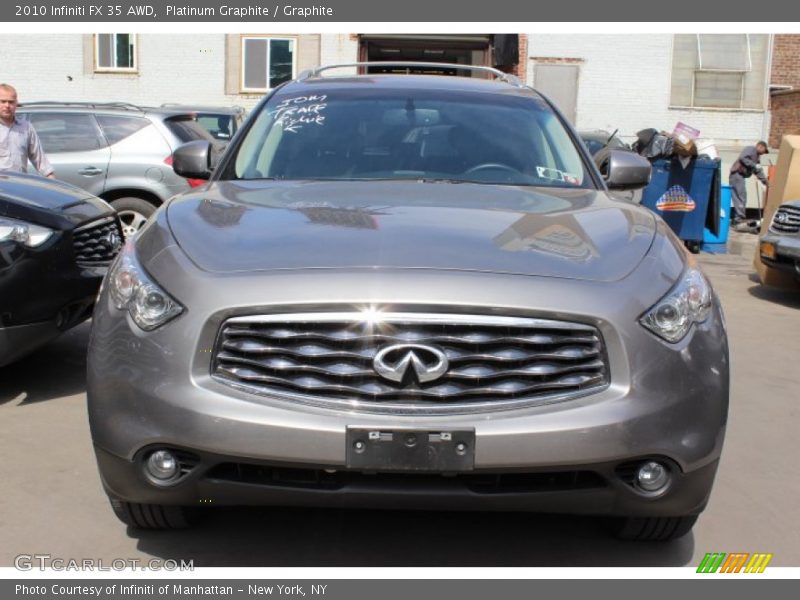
(325, 359)
(91, 245)
(786, 220)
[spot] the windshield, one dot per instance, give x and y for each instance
(410, 134)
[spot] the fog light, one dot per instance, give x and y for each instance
(652, 476)
(768, 250)
(162, 465)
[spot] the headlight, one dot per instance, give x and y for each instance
(687, 303)
(24, 233)
(132, 289)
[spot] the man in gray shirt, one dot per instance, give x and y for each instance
(746, 165)
(18, 139)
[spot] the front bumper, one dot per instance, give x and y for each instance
(42, 293)
(781, 252)
(19, 341)
(669, 402)
(590, 489)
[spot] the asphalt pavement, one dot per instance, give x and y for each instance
(52, 502)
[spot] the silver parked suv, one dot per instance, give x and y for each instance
(408, 291)
(222, 122)
(117, 151)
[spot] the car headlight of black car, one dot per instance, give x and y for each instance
(133, 290)
(687, 303)
(24, 233)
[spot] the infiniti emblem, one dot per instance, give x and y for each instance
(111, 241)
(782, 218)
(425, 362)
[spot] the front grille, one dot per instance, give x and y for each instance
(477, 483)
(786, 220)
(98, 242)
(333, 359)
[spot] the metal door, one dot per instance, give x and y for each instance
(560, 84)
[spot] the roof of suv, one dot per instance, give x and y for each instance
(499, 82)
(127, 108)
(223, 110)
(400, 81)
(82, 106)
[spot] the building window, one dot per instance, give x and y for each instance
(115, 52)
(267, 62)
(720, 71)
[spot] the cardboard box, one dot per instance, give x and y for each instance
(784, 187)
(684, 134)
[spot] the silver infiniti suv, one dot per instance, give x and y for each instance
(408, 291)
(117, 151)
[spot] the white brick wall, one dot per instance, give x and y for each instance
(38, 65)
(172, 68)
(182, 68)
(338, 49)
(624, 82)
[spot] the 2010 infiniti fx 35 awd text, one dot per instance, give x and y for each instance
(408, 291)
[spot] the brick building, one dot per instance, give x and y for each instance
(785, 88)
(786, 61)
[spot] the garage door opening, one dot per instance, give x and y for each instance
(462, 50)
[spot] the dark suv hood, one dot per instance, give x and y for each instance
(48, 202)
(39, 192)
(267, 225)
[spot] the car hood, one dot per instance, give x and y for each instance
(267, 225)
(39, 192)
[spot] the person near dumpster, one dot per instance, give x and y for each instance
(18, 139)
(745, 166)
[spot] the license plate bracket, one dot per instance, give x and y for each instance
(410, 450)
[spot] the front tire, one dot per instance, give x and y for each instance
(654, 529)
(133, 212)
(152, 516)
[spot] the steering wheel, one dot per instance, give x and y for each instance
(491, 166)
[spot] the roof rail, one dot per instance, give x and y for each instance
(123, 105)
(201, 107)
(508, 78)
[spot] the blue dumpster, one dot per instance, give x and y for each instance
(686, 198)
(718, 244)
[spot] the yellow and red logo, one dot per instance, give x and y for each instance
(736, 562)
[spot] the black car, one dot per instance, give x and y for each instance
(56, 242)
(597, 139)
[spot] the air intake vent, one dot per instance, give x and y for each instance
(478, 483)
(786, 220)
(97, 243)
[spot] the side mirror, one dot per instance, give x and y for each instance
(623, 170)
(193, 160)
